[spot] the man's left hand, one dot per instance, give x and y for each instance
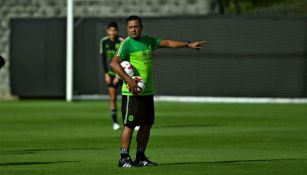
(196, 44)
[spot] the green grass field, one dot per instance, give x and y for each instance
(54, 137)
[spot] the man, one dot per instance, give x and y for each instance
(138, 109)
(108, 48)
(2, 62)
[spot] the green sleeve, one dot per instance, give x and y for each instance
(122, 51)
(155, 42)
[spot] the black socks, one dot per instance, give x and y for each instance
(140, 153)
(114, 116)
(124, 153)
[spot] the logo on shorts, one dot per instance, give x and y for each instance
(130, 118)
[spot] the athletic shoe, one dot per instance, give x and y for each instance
(136, 128)
(126, 163)
(116, 126)
(144, 162)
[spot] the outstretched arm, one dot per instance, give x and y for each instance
(181, 44)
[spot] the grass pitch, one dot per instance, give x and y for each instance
(54, 137)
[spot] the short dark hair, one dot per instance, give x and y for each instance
(2, 62)
(112, 24)
(134, 17)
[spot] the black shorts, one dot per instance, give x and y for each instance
(138, 110)
(120, 82)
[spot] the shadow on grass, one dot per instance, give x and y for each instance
(229, 161)
(33, 163)
(187, 126)
(32, 151)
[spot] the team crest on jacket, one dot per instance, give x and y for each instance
(130, 118)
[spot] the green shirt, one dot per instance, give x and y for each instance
(139, 54)
(107, 50)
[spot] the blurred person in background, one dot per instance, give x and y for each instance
(108, 47)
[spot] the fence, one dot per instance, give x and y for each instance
(245, 56)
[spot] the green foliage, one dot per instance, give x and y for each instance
(247, 6)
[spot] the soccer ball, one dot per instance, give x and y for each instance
(141, 84)
(128, 68)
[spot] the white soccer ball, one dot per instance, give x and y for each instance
(128, 68)
(141, 84)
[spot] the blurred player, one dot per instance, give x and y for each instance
(108, 48)
(138, 109)
(2, 62)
